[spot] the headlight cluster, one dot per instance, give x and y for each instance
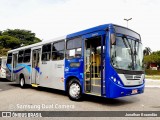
(116, 80)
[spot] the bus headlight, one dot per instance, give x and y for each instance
(115, 80)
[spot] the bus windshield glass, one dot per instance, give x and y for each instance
(126, 52)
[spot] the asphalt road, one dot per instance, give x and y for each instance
(13, 98)
(6, 85)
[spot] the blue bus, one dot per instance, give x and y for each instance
(105, 61)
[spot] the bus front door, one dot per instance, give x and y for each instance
(94, 65)
(35, 66)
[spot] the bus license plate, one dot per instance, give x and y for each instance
(134, 91)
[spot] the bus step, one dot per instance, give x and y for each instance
(91, 93)
(34, 85)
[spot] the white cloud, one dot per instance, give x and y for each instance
(53, 18)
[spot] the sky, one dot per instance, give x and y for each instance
(54, 18)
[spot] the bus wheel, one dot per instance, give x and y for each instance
(22, 82)
(74, 90)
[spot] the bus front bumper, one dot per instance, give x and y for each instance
(121, 91)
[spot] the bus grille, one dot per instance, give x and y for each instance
(133, 77)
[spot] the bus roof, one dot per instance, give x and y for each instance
(93, 29)
(38, 44)
(83, 32)
(100, 27)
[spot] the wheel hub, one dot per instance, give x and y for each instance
(22, 82)
(74, 90)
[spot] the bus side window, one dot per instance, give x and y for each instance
(74, 48)
(58, 50)
(20, 56)
(9, 58)
(27, 54)
(46, 52)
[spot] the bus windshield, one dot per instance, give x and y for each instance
(126, 52)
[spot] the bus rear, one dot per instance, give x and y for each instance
(3, 61)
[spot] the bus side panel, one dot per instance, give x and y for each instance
(27, 73)
(76, 72)
(8, 71)
(52, 74)
(23, 69)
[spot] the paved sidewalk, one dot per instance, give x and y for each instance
(152, 83)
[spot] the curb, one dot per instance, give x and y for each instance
(152, 86)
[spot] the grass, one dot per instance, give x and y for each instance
(152, 72)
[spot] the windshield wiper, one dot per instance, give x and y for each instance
(132, 53)
(135, 51)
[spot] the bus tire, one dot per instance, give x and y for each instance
(74, 90)
(22, 82)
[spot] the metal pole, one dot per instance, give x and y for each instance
(127, 20)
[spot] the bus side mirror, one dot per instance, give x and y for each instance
(113, 39)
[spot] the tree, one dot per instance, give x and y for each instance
(11, 39)
(147, 51)
(154, 57)
(26, 37)
(3, 51)
(9, 42)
